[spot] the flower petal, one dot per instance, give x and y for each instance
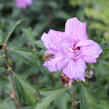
(76, 27)
(52, 64)
(52, 39)
(90, 59)
(46, 40)
(57, 62)
(90, 50)
(84, 43)
(75, 69)
(23, 3)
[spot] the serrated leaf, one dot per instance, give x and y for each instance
(26, 93)
(50, 96)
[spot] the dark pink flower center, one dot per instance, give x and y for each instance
(77, 48)
(76, 51)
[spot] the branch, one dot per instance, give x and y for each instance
(74, 101)
(14, 94)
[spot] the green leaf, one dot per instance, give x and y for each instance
(30, 35)
(87, 100)
(103, 104)
(7, 104)
(3, 82)
(2, 69)
(64, 101)
(103, 62)
(39, 43)
(28, 55)
(1, 39)
(28, 107)
(50, 96)
(40, 27)
(11, 29)
(26, 93)
(105, 45)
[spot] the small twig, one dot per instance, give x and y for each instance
(74, 101)
(14, 94)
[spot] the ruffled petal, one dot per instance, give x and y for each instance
(46, 40)
(52, 64)
(76, 27)
(90, 50)
(52, 39)
(56, 63)
(84, 43)
(75, 70)
(90, 59)
(56, 36)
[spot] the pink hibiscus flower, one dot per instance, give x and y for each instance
(69, 51)
(23, 3)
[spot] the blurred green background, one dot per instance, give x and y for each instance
(25, 27)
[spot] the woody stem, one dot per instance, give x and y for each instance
(74, 102)
(9, 68)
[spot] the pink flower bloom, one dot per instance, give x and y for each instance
(71, 50)
(23, 3)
